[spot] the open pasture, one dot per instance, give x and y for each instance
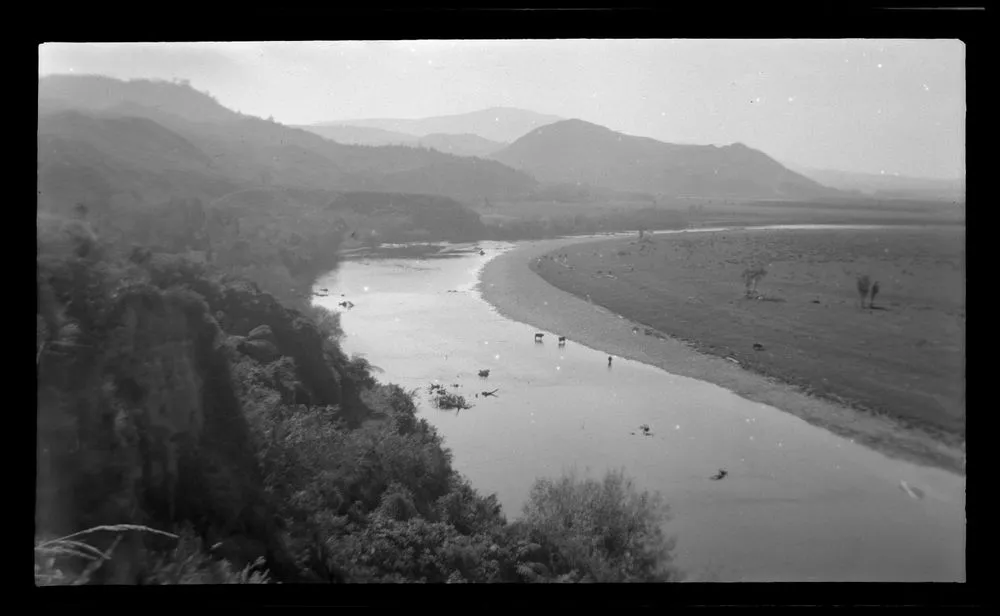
(904, 357)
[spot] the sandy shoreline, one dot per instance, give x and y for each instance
(509, 285)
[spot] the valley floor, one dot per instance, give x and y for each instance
(689, 318)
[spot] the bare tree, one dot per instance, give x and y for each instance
(864, 284)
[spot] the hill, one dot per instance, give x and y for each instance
(108, 162)
(96, 92)
(503, 124)
(575, 151)
(245, 149)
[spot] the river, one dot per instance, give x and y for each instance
(799, 503)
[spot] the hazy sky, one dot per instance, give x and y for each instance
(892, 106)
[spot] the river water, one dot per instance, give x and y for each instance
(799, 503)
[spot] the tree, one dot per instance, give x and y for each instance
(606, 529)
(751, 277)
(864, 283)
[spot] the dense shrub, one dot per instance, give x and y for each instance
(607, 530)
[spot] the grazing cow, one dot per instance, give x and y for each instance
(562, 340)
(758, 346)
(721, 474)
(484, 373)
(482, 252)
(635, 330)
(538, 337)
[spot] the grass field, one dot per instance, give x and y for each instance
(905, 358)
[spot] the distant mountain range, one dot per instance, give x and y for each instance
(499, 124)
(459, 145)
(574, 151)
(118, 141)
(887, 185)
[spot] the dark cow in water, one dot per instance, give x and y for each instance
(538, 337)
(562, 340)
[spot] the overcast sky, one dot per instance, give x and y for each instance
(892, 106)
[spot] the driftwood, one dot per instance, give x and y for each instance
(487, 394)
